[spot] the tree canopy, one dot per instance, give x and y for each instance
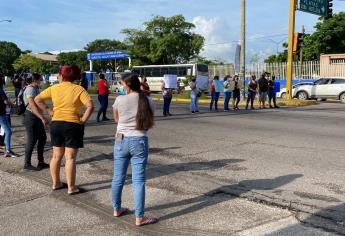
(9, 52)
(32, 64)
(328, 38)
(74, 58)
(165, 40)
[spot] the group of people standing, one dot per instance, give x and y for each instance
(133, 113)
(265, 86)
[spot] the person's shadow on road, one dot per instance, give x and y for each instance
(164, 170)
(223, 194)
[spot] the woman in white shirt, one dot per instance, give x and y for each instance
(133, 114)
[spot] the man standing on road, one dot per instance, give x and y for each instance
(263, 88)
(272, 93)
(103, 93)
(34, 122)
(252, 87)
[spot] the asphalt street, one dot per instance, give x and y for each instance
(262, 172)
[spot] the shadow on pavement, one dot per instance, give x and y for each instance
(223, 194)
(330, 219)
(163, 170)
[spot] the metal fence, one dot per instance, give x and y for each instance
(305, 70)
(221, 70)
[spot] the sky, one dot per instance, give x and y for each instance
(56, 25)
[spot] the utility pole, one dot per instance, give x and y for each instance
(243, 44)
(290, 49)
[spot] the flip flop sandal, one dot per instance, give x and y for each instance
(121, 212)
(62, 186)
(147, 221)
(76, 191)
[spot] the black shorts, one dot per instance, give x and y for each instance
(67, 134)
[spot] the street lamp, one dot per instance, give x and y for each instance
(9, 21)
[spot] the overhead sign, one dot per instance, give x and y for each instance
(317, 7)
(106, 55)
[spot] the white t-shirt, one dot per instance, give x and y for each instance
(127, 108)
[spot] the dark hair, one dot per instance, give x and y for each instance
(101, 76)
(254, 77)
(35, 77)
(70, 73)
(216, 77)
(144, 118)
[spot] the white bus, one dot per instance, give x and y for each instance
(155, 73)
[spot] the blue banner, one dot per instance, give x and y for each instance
(106, 55)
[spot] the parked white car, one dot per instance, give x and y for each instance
(323, 88)
(282, 93)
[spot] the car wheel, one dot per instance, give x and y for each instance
(342, 97)
(283, 96)
(302, 95)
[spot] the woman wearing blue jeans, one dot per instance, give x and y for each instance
(133, 114)
(194, 96)
(4, 102)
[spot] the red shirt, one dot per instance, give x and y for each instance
(212, 87)
(102, 89)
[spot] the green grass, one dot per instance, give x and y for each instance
(186, 95)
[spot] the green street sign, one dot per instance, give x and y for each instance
(317, 7)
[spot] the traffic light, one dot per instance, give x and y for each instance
(297, 42)
(329, 9)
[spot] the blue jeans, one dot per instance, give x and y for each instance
(194, 102)
(166, 108)
(227, 96)
(272, 96)
(134, 150)
(214, 99)
(8, 133)
(103, 101)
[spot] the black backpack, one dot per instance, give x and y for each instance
(21, 107)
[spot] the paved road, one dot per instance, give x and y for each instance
(263, 172)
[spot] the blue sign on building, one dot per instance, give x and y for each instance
(106, 55)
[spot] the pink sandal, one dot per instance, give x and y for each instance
(147, 221)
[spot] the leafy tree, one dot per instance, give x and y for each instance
(165, 40)
(328, 38)
(32, 64)
(9, 52)
(101, 45)
(74, 58)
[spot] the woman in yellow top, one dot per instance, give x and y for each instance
(67, 127)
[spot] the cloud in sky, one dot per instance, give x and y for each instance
(217, 34)
(40, 25)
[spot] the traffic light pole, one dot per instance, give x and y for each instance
(290, 49)
(243, 45)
